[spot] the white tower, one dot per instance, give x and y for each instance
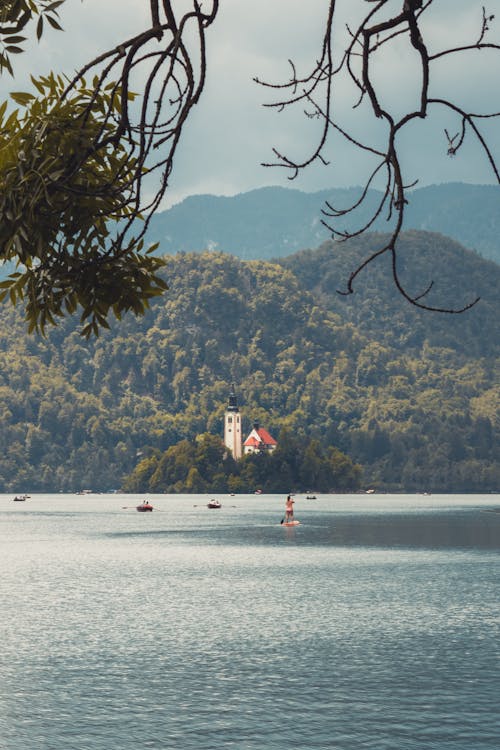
(232, 426)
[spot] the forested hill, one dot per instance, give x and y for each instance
(457, 276)
(412, 396)
(274, 222)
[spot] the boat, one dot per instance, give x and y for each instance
(214, 504)
(310, 497)
(20, 498)
(144, 507)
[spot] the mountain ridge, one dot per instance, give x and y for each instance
(273, 222)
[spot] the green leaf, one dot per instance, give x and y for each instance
(3, 108)
(5, 63)
(32, 326)
(39, 28)
(15, 39)
(22, 97)
(38, 84)
(54, 23)
(54, 5)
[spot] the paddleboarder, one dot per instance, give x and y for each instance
(289, 508)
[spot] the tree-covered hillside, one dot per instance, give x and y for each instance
(412, 396)
(456, 276)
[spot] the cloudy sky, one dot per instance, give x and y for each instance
(231, 133)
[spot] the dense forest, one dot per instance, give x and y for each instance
(412, 397)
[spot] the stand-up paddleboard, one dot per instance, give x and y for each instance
(290, 523)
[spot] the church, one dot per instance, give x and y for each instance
(259, 439)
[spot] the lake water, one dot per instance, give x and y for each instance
(374, 624)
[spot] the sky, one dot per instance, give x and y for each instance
(231, 133)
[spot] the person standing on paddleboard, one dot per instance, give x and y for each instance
(289, 508)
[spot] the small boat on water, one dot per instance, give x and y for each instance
(144, 507)
(20, 498)
(310, 497)
(214, 504)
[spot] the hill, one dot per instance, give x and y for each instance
(412, 396)
(457, 275)
(273, 222)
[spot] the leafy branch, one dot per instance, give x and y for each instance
(86, 158)
(15, 17)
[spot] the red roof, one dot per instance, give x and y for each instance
(259, 437)
(252, 441)
(266, 437)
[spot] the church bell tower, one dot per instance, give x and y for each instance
(232, 426)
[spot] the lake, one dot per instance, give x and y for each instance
(373, 624)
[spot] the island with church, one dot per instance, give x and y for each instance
(258, 441)
(232, 463)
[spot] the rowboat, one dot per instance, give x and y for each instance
(144, 507)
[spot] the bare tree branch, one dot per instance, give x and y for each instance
(380, 27)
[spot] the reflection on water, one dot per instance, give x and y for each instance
(373, 624)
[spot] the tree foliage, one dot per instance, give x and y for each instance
(203, 465)
(16, 16)
(57, 195)
(77, 156)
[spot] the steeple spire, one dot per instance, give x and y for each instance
(232, 404)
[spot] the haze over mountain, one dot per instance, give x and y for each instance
(273, 222)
